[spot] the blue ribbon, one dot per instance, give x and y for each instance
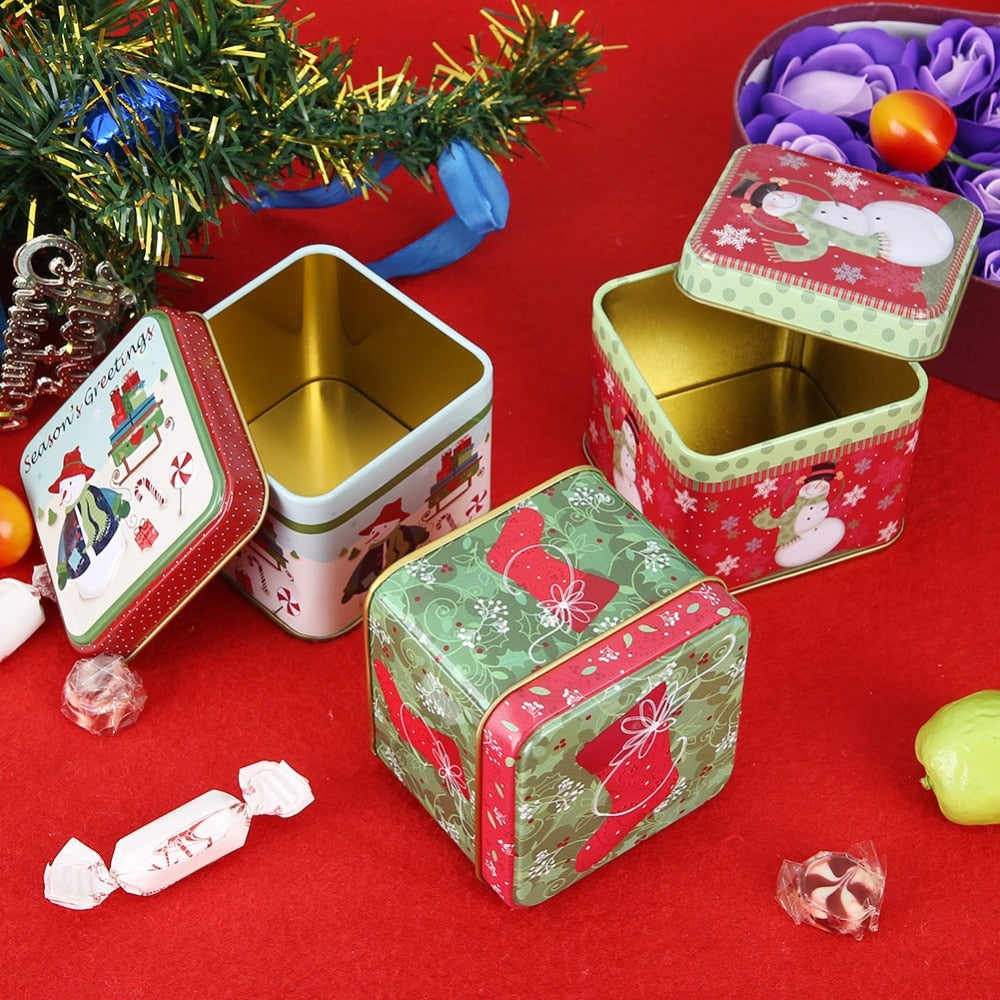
(473, 185)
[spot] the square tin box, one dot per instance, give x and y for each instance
(555, 683)
(318, 426)
(372, 420)
(760, 400)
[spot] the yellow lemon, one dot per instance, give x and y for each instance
(959, 747)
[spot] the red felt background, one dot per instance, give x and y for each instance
(362, 895)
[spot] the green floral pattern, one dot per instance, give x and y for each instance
(549, 727)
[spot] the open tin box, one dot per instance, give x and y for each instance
(760, 400)
(310, 429)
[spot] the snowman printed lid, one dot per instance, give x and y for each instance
(143, 483)
(834, 250)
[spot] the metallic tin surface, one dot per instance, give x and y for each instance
(555, 682)
(143, 484)
(372, 420)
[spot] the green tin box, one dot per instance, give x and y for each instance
(554, 682)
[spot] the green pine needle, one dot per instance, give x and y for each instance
(257, 108)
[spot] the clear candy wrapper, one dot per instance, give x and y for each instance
(102, 695)
(838, 892)
(21, 614)
(175, 845)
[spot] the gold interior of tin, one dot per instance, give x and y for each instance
(728, 381)
(330, 370)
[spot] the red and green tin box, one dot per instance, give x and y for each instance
(760, 400)
(555, 683)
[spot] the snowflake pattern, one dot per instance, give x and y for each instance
(728, 565)
(889, 531)
(843, 177)
(848, 273)
(732, 236)
(854, 496)
(793, 161)
(685, 501)
(765, 488)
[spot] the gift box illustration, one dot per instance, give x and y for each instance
(760, 400)
(307, 432)
(555, 683)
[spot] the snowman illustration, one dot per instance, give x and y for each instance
(388, 538)
(624, 441)
(91, 546)
(806, 532)
(893, 230)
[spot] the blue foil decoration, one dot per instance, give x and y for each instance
(138, 107)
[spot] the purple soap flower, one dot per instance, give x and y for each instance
(823, 135)
(958, 61)
(981, 187)
(980, 131)
(823, 70)
(988, 262)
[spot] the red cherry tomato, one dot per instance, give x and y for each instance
(911, 130)
(16, 528)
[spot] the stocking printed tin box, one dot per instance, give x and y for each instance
(760, 400)
(555, 683)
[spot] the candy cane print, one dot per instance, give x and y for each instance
(146, 484)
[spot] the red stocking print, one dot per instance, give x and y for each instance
(439, 750)
(632, 758)
(520, 554)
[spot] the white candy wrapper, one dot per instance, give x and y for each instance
(21, 614)
(175, 845)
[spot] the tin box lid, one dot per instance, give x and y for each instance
(834, 250)
(532, 581)
(143, 483)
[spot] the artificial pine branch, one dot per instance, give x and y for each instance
(245, 105)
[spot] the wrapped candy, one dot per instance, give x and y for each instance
(836, 892)
(175, 845)
(21, 614)
(101, 694)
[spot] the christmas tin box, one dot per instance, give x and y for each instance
(760, 401)
(372, 420)
(309, 430)
(143, 483)
(554, 683)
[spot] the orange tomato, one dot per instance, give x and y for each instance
(912, 130)
(16, 527)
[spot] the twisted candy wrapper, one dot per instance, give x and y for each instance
(21, 614)
(834, 891)
(175, 845)
(102, 695)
